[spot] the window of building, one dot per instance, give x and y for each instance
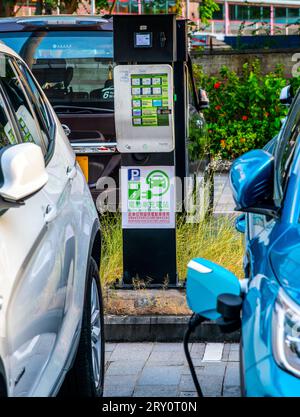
(242, 13)
(280, 14)
(266, 12)
(134, 7)
(292, 14)
(219, 14)
(254, 13)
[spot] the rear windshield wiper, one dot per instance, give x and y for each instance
(78, 109)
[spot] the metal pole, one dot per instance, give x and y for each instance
(227, 22)
(272, 19)
(93, 7)
(139, 6)
(187, 12)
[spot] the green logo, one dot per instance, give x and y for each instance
(158, 182)
(134, 190)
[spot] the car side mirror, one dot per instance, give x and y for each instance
(203, 99)
(206, 281)
(286, 96)
(23, 173)
(240, 223)
(251, 180)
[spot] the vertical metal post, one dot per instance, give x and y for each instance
(139, 6)
(227, 23)
(28, 8)
(272, 19)
(187, 11)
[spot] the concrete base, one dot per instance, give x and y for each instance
(146, 302)
(161, 329)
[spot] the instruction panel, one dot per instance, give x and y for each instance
(144, 114)
(150, 102)
(148, 197)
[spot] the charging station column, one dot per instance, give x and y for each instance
(145, 51)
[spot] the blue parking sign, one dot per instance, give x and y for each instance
(134, 174)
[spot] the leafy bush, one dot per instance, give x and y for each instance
(245, 111)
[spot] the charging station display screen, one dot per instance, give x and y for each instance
(143, 40)
(150, 103)
(144, 113)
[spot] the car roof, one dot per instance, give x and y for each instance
(52, 22)
(5, 49)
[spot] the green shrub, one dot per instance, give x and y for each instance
(245, 111)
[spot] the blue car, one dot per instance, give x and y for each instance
(266, 189)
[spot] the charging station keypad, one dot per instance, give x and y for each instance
(150, 102)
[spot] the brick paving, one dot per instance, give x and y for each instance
(160, 369)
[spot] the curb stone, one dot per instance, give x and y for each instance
(135, 329)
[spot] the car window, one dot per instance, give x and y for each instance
(38, 103)
(191, 95)
(15, 93)
(74, 68)
(285, 149)
(256, 224)
(7, 132)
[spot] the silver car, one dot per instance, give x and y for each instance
(51, 316)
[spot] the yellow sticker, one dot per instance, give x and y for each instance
(83, 162)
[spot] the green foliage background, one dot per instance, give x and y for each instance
(245, 111)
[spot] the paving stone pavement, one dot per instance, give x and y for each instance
(160, 369)
(223, 201)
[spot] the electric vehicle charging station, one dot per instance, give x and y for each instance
(150, 52)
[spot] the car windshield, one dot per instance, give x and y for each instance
(74, 68)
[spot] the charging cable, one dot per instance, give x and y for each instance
(194, 322)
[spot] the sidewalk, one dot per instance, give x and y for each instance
(223, 201)
(160, 369)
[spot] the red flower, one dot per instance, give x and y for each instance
(217, 85)
(267, 114)
(245, 118)
(218, 107)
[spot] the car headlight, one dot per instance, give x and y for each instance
(286, 333)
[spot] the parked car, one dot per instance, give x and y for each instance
(266, 187)
(51, 317)
(72, 59)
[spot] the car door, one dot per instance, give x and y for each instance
(265, 244)
(66, 221)
(37, 296)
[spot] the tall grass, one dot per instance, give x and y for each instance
(214, 239)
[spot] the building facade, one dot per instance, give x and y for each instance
(255, 16)
(233, 17)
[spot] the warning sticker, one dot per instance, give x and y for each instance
(148, 197)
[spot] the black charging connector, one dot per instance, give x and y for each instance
(194, 322)
(229, 307)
